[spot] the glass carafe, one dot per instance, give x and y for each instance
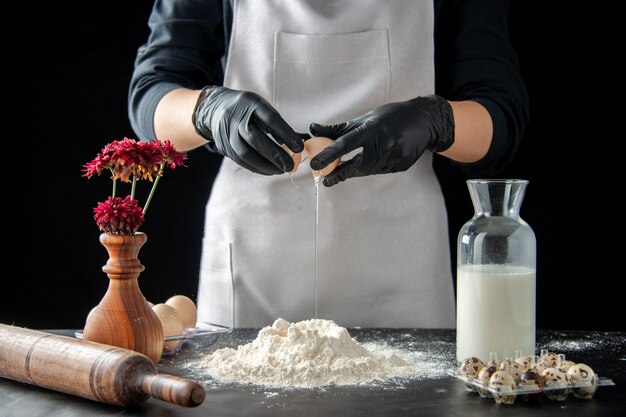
(496, 267)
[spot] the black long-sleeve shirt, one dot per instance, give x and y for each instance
(474, 60)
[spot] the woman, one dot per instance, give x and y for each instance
(392, 83)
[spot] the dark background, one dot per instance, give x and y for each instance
(69, 66)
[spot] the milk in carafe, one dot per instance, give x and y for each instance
(495, 310)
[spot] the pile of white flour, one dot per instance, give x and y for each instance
(309, 353)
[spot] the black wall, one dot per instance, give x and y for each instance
(66, 92)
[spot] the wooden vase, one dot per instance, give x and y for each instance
(124, 318)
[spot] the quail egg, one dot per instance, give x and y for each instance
(483, 376)
(556, 382)
(514, 368)
(581, 374)
(531, 379)
(470, 368)
(549, 360)
(565, 365)
(504, 385)
(526, 362)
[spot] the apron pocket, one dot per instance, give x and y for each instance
(216, 294)
(330, 78)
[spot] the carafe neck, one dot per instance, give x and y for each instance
(497, 197)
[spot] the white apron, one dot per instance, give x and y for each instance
(383, 242)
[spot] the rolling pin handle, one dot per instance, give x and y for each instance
(174, 389)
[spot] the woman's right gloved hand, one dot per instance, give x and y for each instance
(238, 123)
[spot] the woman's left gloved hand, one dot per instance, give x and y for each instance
(393, 138)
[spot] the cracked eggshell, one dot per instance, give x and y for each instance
(314, 146)
(297, 157)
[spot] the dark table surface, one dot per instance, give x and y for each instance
(439, 395)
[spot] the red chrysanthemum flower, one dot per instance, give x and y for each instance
(104, 160)
(118, 216)
(134, 158)
(169, 154)
(92, 168)
(130, 160)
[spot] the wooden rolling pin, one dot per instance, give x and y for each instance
(90, 370)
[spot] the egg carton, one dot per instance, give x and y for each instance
(557, 392)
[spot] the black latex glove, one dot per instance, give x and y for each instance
(238, 124)
(393, 137)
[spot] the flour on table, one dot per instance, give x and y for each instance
(309, 353)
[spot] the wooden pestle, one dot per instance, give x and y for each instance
(90, 370)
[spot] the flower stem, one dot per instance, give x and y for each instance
(114, 183)
(133, 187)
(154, 185)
